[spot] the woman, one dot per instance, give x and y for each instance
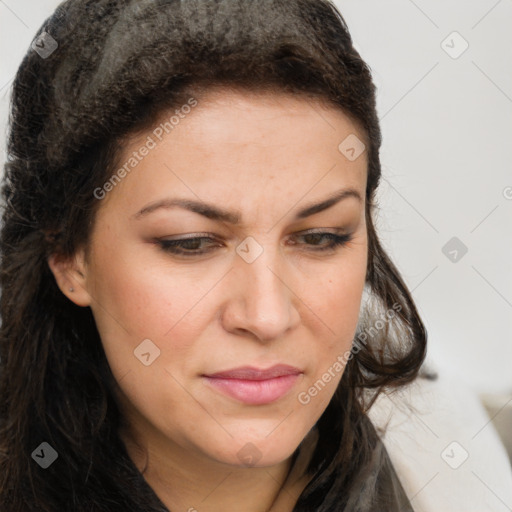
(197, 313)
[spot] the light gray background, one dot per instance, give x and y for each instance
(447, 128)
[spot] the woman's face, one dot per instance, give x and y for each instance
(190, 328)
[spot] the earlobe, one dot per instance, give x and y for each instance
(70, 276)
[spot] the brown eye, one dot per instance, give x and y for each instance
(186, 246)
(335, 240)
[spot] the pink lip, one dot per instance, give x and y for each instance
(255, 386)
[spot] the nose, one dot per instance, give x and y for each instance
(261, 299)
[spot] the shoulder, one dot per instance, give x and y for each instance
(444, 447)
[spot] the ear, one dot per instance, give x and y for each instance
(71, 277)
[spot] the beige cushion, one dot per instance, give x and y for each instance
(446, 451)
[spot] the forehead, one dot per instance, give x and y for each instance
(263, 111)
(234, 140)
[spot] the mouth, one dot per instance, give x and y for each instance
(255, 386)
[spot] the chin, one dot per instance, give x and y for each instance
(257, 452)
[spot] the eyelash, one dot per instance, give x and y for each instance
(176, 246)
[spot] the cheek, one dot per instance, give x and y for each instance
(337, 304)
(149, 321)
(343, 301)
(336, 301)
(137, 302)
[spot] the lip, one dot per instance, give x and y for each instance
(255, 386)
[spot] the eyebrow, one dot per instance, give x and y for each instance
(233, 217)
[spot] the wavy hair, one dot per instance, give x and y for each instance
(118, 65)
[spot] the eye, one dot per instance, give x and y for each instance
(186, 246)
(198, 245)
(312, 239)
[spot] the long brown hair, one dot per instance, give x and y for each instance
(110, 67)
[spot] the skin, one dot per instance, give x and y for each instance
(265, 156)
